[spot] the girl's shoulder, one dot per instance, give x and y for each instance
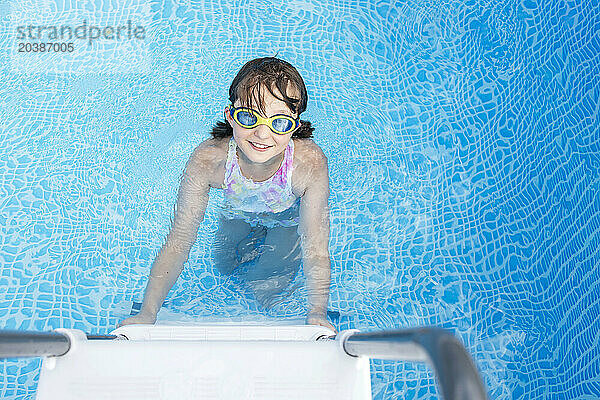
(208, 158)
(308, 154)
(308, 159)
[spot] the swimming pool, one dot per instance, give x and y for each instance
(463, 146)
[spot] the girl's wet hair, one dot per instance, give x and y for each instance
(267, 73)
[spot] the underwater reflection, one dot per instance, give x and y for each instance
(267, 259)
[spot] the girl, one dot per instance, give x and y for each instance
(276, 186)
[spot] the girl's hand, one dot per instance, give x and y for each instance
(313, 319)
(141, 318)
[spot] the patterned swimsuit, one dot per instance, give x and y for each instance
(269, 203)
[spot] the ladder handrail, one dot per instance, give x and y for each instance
(21, 344)
(455, 370)
(17, 344)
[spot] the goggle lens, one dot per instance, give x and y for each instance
(246, 119)
(282, 125)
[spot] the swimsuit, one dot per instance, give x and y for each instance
(257, 238)
(269, 203)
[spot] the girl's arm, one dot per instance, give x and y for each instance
(314, 231)
(189, 211)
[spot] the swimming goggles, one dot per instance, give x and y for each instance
(248, 118)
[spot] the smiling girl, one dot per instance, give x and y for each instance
(276, 186)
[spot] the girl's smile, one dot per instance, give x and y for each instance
(259, 147)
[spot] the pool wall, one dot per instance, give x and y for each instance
(463, 144)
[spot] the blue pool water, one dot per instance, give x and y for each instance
(464, 154)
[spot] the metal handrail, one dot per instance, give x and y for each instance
(18, 344)
(456, 373)
(15, 344)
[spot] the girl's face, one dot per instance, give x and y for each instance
(262, 134)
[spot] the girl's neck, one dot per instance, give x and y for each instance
(259, 172)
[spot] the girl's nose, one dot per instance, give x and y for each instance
(262, 132)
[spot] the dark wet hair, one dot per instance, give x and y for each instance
(266, 73)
